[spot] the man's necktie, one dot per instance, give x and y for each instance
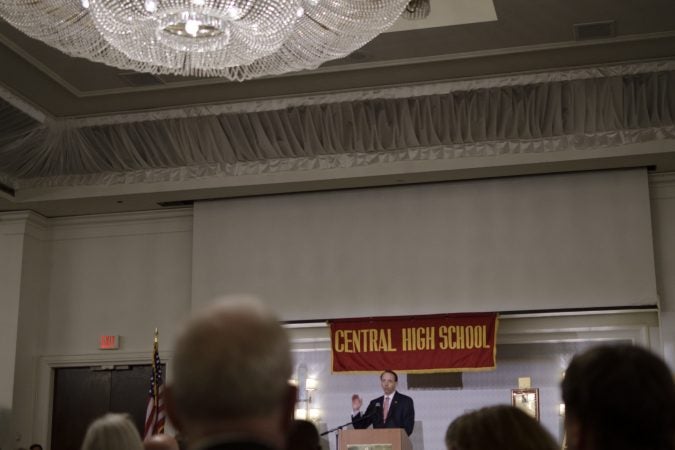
(385, 410)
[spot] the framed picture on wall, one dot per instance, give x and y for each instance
(527, 400)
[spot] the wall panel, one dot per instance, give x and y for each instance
(543, 242)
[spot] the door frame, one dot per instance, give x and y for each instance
(46, 368)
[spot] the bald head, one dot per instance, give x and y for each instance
(160, 442)
(231, 361)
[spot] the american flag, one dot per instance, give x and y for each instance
(154, 414)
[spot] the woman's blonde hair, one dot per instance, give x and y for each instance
(112, 432)
(502, 427)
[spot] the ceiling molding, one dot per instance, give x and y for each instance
(662, 185)
(513, 41)
(406, 91)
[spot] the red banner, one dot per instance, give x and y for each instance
(438, 343)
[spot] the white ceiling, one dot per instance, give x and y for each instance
(450, 12)
(461, 40)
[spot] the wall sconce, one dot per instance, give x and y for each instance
(311, 384)
(561, 409)
(306, 386)
(314, 414)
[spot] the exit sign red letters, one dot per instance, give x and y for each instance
(109, 342)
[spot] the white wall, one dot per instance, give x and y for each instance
(118, 274)
(663, 205)
(32, 325)
(87, 276)
(542, 242)
(12, 231)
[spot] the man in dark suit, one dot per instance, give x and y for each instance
(229, 389)
(392, 410)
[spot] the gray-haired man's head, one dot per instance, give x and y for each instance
(231, 363)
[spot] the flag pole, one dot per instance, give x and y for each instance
(155, 415)
(155, 350)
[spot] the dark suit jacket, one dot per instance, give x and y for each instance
(401, 414)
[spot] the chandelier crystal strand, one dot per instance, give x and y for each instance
(319, 39)
(236, 39)
(227, 34)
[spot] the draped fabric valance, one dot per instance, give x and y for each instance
(15, 127)
(546, 116)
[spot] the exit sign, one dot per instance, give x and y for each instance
(109, 342)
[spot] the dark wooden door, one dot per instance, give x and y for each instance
(81, 394)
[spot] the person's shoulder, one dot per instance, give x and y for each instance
(403, 396)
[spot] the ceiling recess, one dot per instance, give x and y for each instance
(594, 30)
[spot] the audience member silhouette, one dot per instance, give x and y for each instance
(501, 427)
(619, 398)
(303, 435)
(230, 386)
(112, 432)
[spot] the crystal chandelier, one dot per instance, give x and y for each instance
(235, 39)
(417, 10)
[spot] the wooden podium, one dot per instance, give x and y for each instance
(374, 439)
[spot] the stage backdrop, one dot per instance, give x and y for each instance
(525, 243)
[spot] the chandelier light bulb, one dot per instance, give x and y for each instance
(300, 12)
(85, 4)
(192, 27)
(233, 12)
(151, 6)
(198, 2)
